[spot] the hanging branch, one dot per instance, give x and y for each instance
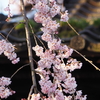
(29, 47)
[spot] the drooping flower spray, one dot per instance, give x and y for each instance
(62, 86)
(55, 64)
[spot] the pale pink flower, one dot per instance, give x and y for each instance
(42, 7)
(73, 64)
(16, 60)
(44, 1)
(5, 92)
(45, 30)
(10, 55)
(54, 44)
(45, 63)
(35, 96)
(2, 46)
(9, 47)
(69, 84)
(8, 50)
(39, 18)
(46, 37)
(52, 0)
(47, 87)
(64, 17)
(80, 96)
(49, 98)
(57, 61)
(60, 72)
(64, 52)
(36, 1)
(68, 97)
(46, 59)
(42, 72)
(30, 1)
(55, 9)
(47, 20)
(48, 55)
(38, 50)
(9, 11)
(51, 25)
(59, 95)
(4, 81)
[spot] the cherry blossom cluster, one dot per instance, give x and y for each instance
(8, 50)
(55, 64)
(9, 12)
(57, 82)
(4, 89)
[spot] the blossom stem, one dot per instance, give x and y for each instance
(29, 47)
(18, 70)
(72, 28)
(89, 61)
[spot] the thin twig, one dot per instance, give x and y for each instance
(33, 33)
(36, 37)
(30, 93)
(41, 42)
(2, 35)
(72, 28)
(19, 70)
(12, 29)
(87, 60)
(80, 53)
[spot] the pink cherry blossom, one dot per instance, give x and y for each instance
(2, 46)
(46, 37)
(54, 44)
(39, 18)
(47, 87)
(38, 50)
(51, 25)
(73, 64)
(8, 50)
(42, 72)
(59, 95)
(35, 96)
(60, 72)
(55, 9)
(4, 81)
(4, 90)
(9, 12)
(64, 52)
(69, 84)
(45, 63)
(46, 59)
(80, 96)
(68, 97)
(42, 7)
(16, 60)
(64, 17)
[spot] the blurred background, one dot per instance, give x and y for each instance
(84, 16)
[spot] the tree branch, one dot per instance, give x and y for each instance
(29, 47)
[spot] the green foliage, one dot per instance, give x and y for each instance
(78, 24)
(19, 26)
(34, 25)
(96, 22)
